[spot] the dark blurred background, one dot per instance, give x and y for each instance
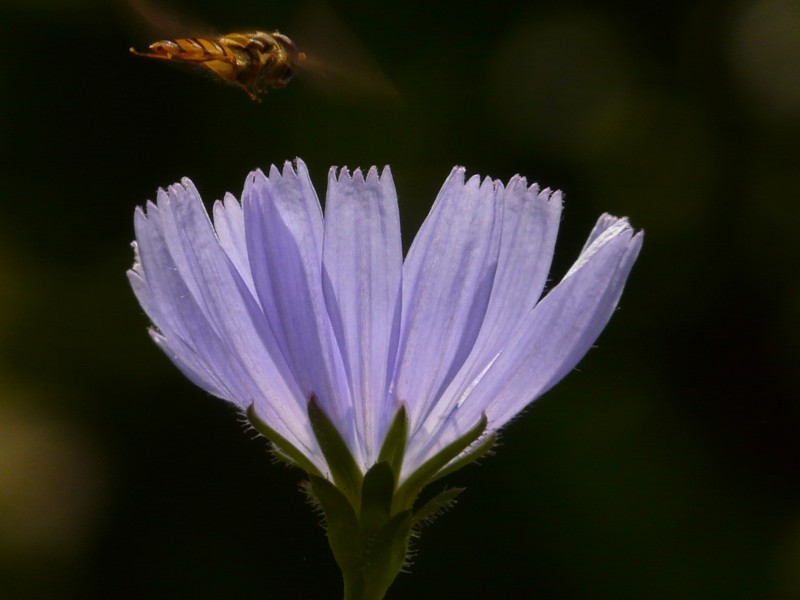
(666, 466)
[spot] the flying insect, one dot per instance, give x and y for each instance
(255, 61)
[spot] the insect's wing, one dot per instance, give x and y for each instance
(156, 20)
(336, 62)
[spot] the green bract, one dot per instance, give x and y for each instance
(370, 519)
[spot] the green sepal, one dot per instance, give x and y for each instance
(284, 446)
(435, 506)
(280, 456)
(479, 451)
(344, 469)
(386, 555)
(394, 444)
(376, 498)
(370, 549)
(408, 491)
(341, 523)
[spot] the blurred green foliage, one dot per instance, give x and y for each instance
(665, 467)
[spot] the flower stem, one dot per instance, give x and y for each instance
(359, 591)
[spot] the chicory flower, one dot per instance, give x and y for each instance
(374, 374)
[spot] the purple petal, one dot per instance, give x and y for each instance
(561, 329)
(157, 282)
(528, 239)
(363, 261)
(547, 345)
(530, 227)
(284, 231)
(447, 280)
(229, 225)
(273, 304)
(192, 364)
(207, 317)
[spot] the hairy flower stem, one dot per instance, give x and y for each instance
(359, 591)
(369, 517)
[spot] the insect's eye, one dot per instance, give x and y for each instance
(287, 74)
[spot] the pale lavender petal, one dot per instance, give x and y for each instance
(204, 305)
(530, 227)
(164, 294)
(447, 280)
(196, 370)
(562, 328)
(189, 362)
(215, 284)
(284, 231)
(273, 304)
(557, 334)
(229, 225)
(363, 261)
(603, 223)
(570, 318)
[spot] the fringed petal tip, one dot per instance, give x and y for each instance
(519, 185)
(614, 226)
(256, 182)
(457, 177)
(140, 212)
(609, 226)
(136, 269)
(490, 185)
(293, 172)
(183, 191)
(609, 229)
(228, 202)
(343, 175)
(292, 169)
(516, 184)
(150, 208)
(188, 186)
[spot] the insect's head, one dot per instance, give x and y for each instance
(295, 56)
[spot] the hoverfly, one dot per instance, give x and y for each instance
(255, 61)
